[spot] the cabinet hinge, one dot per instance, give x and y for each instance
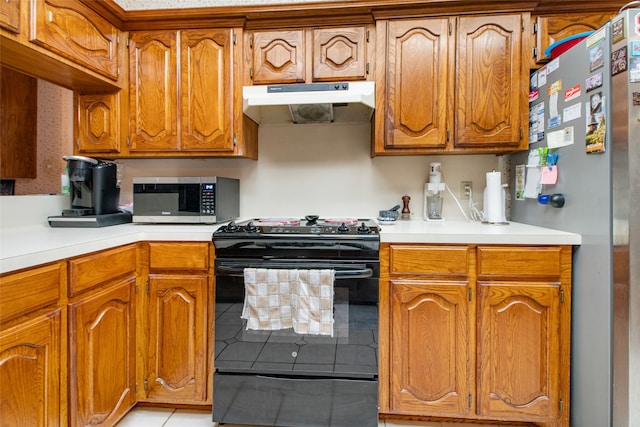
(251, 73)
(235, 40)
(367, 68)
(448, 135)
(522, 27)
(561, 296)
(129, 142)
(470, 293)
(534, 28)
(561, 405)
(146, 289)
(367, 36)
(251, 42)
(469, 401)
(534, 52)
(450, 28)
(235, 140)
(127, 42)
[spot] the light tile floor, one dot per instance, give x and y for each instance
(167, 417)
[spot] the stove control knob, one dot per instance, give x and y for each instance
(364, 229)
(251, 228)
(343, 228)
(232, 227)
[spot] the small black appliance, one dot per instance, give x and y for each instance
(94, 194)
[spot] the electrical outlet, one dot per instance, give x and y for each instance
(465, 190)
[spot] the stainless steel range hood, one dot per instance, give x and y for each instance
(310, 103)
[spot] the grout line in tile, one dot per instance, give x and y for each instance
(169, 417)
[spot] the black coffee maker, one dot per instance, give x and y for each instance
(94, 195)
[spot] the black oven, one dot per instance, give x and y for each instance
(282, 378)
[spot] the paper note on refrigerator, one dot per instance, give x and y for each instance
(532, 183)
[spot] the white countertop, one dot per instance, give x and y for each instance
(22, 247)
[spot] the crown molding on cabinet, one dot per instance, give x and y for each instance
(336, 12)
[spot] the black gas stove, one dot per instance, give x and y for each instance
(279, 377)
(309, 227)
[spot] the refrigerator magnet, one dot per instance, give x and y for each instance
(617, 30)
(596, 124)
(635, 48)
(619, 61)
(634, 70)
(593, 82)
(596, 57)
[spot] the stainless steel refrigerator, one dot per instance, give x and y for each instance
(585, 107)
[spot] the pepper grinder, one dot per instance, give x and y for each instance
(406, 213)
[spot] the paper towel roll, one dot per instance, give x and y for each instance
(494, 198)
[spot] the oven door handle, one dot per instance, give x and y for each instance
(357, 273)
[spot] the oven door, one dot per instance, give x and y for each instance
(281, 378)
(351, 353)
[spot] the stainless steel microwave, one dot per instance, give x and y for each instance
(185, 200)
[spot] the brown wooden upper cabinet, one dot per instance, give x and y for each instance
(77, 33)
(10, 15)
(549, 29)
(451, 85)
(182, 96)
(309, 55)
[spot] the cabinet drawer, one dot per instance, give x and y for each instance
(97, 268)
(530, 262)
(179, 256)
(27, 291)
(429, 260)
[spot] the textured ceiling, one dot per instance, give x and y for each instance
(183, 4)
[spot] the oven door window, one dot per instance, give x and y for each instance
(351, 352)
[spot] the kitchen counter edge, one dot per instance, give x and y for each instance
(30, 246)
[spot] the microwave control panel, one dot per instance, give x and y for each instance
(207, 196)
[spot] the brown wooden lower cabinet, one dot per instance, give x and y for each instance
(30, 373)
(177, 363)
(179, 317)
(102, 355)
(476, 332)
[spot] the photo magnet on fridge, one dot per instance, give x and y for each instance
(596, 124)
(619, 61)
(617, 30)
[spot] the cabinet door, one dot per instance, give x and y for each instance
(30, 373)
(102, 355)
(98, 123)
(10, 15)
(418, 84)
(519, 350)
(177, 370)
(340, 53)
(77, 33)
(431, 361)
(153, 124)
(491, 97)
(18, 133)
(553, 28)
(206, 99)
(278, 57)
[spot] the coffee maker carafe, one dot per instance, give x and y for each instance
(94, 193)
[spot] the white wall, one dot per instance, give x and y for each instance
(322, 169)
